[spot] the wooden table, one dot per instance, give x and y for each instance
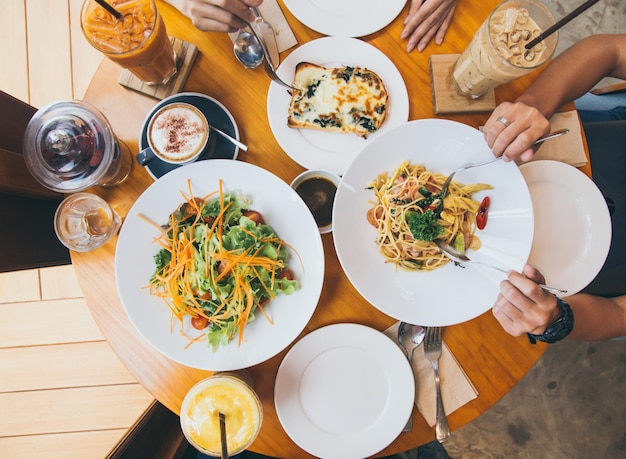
(493, 360)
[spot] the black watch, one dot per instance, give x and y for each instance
(559, 329)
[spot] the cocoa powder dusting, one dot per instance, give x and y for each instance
(180, 130)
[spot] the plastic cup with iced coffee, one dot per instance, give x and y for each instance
(137, 40)
(497, 53)
(230, 393)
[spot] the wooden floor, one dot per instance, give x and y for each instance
(63, 392)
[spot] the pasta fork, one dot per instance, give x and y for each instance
(446, 184)
(432, 351)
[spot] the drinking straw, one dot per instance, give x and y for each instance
(557, 25)
(109, 8)
(222, 417)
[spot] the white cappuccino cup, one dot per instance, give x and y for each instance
(177, 133)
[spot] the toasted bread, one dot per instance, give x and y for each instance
(341, 99)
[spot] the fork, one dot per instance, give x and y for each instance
(266, 62)
(446, 184)
(461, 258)
(432, 351)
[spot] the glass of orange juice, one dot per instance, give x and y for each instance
(137, 40)
(230, 393)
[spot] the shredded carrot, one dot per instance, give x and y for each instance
(176, 282)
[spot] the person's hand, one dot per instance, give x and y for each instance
(524, 307)
(217, 15)
(512, 128)
(427, 19)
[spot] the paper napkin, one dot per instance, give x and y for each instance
(271, 12)
(567, 148)
(456, 388)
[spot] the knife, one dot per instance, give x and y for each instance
(269, 37)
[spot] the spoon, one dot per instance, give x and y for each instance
(247, 49)
(410, 337)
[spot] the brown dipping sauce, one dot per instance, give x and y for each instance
(318, 193)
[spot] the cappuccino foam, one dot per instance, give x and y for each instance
(178, 132)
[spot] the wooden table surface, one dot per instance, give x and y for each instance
(493, 360)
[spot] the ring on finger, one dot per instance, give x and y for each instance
(504, 121)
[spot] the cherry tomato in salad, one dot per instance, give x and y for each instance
(483, 212)
(255, 216)
(199, 323)
(286, 274)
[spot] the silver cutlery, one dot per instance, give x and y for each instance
(461, 258)
(267, 61)
(247, 49)
(267, 32)
(231, 139)
(409, 337)
(432, 351)
(446, 184)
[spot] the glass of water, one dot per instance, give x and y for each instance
(85, 221)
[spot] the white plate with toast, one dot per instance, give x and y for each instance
(316, 149)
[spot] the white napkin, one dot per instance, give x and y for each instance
(271, 12)
(567, 148)
(456, 388)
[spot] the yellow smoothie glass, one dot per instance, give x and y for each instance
(226, 393)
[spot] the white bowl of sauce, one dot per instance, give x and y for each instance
(317, 188)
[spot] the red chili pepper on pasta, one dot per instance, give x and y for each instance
(483, 212)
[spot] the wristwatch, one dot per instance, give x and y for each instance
(559, 329)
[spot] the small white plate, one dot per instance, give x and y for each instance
(344, 391)
(345, 18)
(572, 225)
(315, 149)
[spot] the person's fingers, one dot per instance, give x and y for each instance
(415, 5)
(534, 274)
(223, 16)
(443, 28)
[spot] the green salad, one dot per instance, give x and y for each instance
(219, 264)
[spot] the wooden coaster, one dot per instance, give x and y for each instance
(445, 97)
(185, 56)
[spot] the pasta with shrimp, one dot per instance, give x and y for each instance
(410, 212)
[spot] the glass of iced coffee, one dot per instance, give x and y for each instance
(497, 53)
(229, 393)
(137, 40)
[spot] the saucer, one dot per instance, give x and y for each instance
(216, 114)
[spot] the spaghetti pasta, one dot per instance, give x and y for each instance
(409, 213)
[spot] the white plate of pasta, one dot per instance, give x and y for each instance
(156, 315)
(446, 294)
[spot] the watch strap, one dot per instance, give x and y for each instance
(559, 329)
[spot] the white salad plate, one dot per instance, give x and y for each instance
(281, 208)
(572, 225)
(345, 18)
(344, 391)
(314, 149)
(451, 294)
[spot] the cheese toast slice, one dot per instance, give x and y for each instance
(341, 99)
